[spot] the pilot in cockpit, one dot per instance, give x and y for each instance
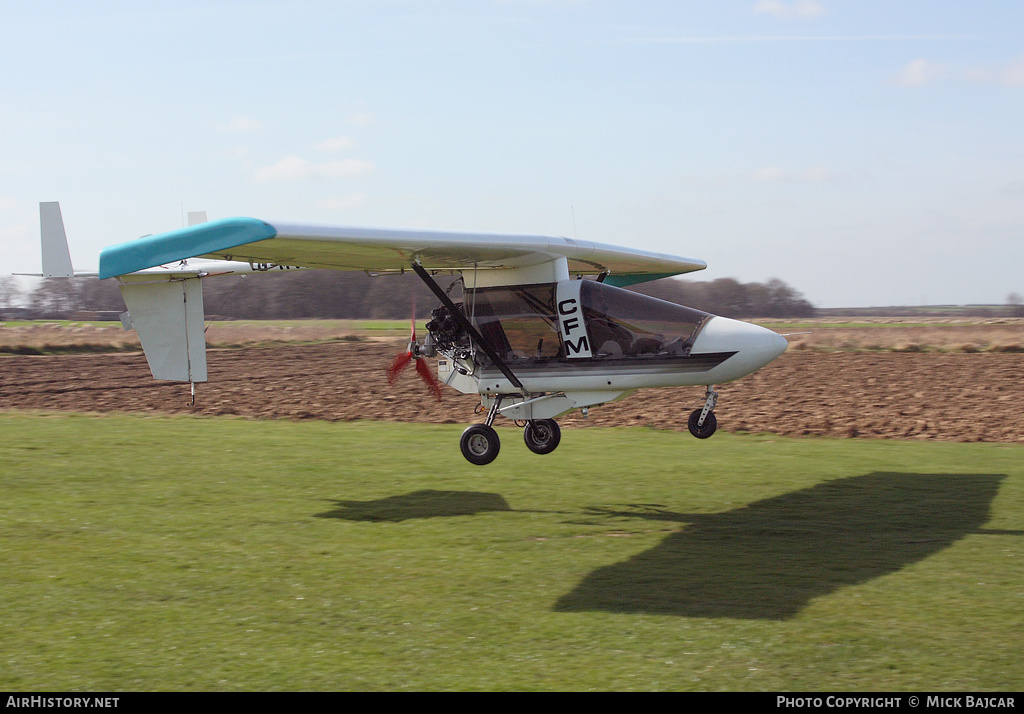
(608, 337)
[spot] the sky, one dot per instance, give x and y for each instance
(867, 153)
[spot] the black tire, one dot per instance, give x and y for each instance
(710, 424)
(542, 435)
(480, 444)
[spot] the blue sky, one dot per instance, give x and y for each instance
(867, 153)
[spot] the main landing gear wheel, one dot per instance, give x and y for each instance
(480, 444)
(542, 435)
(702, 431)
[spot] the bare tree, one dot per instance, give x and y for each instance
(1016, 304)
(8, 291)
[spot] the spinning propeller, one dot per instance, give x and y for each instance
(402, 361)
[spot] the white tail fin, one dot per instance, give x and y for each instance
(196, 217)
(56, 256)
(168, 316)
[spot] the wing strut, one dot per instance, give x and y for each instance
(464, 321)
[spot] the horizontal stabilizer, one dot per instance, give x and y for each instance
(169, 319)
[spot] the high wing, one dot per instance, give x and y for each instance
(160, 276)
(378, 250)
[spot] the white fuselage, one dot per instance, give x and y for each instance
(752, 348)
(574, 343)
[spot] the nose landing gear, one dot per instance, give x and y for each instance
(702, 422)
(542, 435)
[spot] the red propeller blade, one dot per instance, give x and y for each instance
(402, 361)
(428, 377)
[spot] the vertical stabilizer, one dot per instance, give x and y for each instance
(56, 256)
(169, 319)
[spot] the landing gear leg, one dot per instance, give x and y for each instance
(702, 422)
(480, 443)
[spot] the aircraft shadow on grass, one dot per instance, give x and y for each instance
(768, 559)
(419, 504)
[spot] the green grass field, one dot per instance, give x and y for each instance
(219, 554)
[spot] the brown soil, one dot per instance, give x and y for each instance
(940, 396)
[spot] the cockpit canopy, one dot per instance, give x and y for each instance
(580, 319)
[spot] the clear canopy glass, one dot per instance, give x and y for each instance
(520, 323)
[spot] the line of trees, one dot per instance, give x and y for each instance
(731, 298)
(354, 295)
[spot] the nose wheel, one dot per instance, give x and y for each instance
(703, 422)
(542, 435)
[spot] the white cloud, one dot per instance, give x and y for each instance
(338, 143)
(8, 204)
(800, 8)
(918, 73)
(293, 168)
(244, 124)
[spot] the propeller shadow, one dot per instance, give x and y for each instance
(418, 504)
(768, 559)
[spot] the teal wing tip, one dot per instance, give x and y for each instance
(201, 239)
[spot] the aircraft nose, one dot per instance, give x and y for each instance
(754, 346)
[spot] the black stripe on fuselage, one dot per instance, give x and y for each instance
(555, 367)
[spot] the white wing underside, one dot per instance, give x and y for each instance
(378, 250)
(382, 250)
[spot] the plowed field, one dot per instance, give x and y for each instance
(953, 396)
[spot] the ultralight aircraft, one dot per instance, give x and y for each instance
(537, 326)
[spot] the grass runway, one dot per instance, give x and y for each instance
(213, 554)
